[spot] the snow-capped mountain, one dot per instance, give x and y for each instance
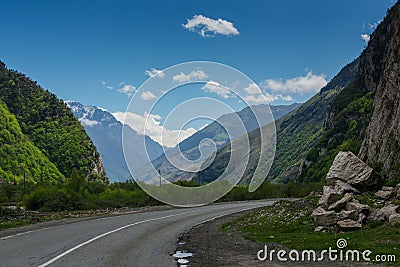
(106, 134)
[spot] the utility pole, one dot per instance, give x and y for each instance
(159, 174)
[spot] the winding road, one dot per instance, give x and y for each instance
(136, 239)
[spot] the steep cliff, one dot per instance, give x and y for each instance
(381, 71)
(364, 116)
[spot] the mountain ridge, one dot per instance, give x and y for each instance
(50, 125)
(106, 132)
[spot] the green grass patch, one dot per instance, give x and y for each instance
(289, 224)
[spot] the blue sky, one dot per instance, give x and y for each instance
(81, 49)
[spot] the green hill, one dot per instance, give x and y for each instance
(49, 125)
(19, 157)
(297, 133)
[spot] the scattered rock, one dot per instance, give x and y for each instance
(328, 199)
(388, 188)
(385, 195)
(350, 169)
(357, 207)
(320, 229)
(397, 187)
(342, 202)
(348, 225)
(329, 189)
(347, 214)
(394, 218)
(322, 217)
(383, 213)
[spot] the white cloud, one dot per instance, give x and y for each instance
(106, 85)
(372, 26)
(157, 132)
(147, 95)
(208, 27)
(155, 73)
(310, 83)
(215, 87)
(196, 75)
(87, 122)
(287, 98)
(127, 89)
(252, 89)
(365, 37)
(259, 97)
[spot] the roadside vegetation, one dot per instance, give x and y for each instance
(288, 225)
(26, 203)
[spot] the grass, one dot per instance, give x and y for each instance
(289, 224)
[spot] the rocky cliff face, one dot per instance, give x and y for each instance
(380, 69)
(364, 116)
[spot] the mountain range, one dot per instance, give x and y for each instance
(106, 133)
(357, 111)
(189, 148)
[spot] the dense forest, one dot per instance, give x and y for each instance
(49, 125)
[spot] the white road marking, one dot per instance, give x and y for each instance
(127, 226)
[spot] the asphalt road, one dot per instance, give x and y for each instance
(139, 239)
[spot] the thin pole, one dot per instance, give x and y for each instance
(159, 174)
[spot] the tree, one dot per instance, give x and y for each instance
(77, 181)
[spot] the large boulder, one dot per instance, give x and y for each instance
(342, 187)
(322, 217)
(349, 169)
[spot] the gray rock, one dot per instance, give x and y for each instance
(383, 213)
(342, 187)
(320, 229)
(350, 169)
(388, 188)
(357, 207)
(347, 214)
(348, 225)
(328, 199)
(397, 187)
(394, 218)
(385, 195)
(376, 215)
(322, 217)
(342, 202)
